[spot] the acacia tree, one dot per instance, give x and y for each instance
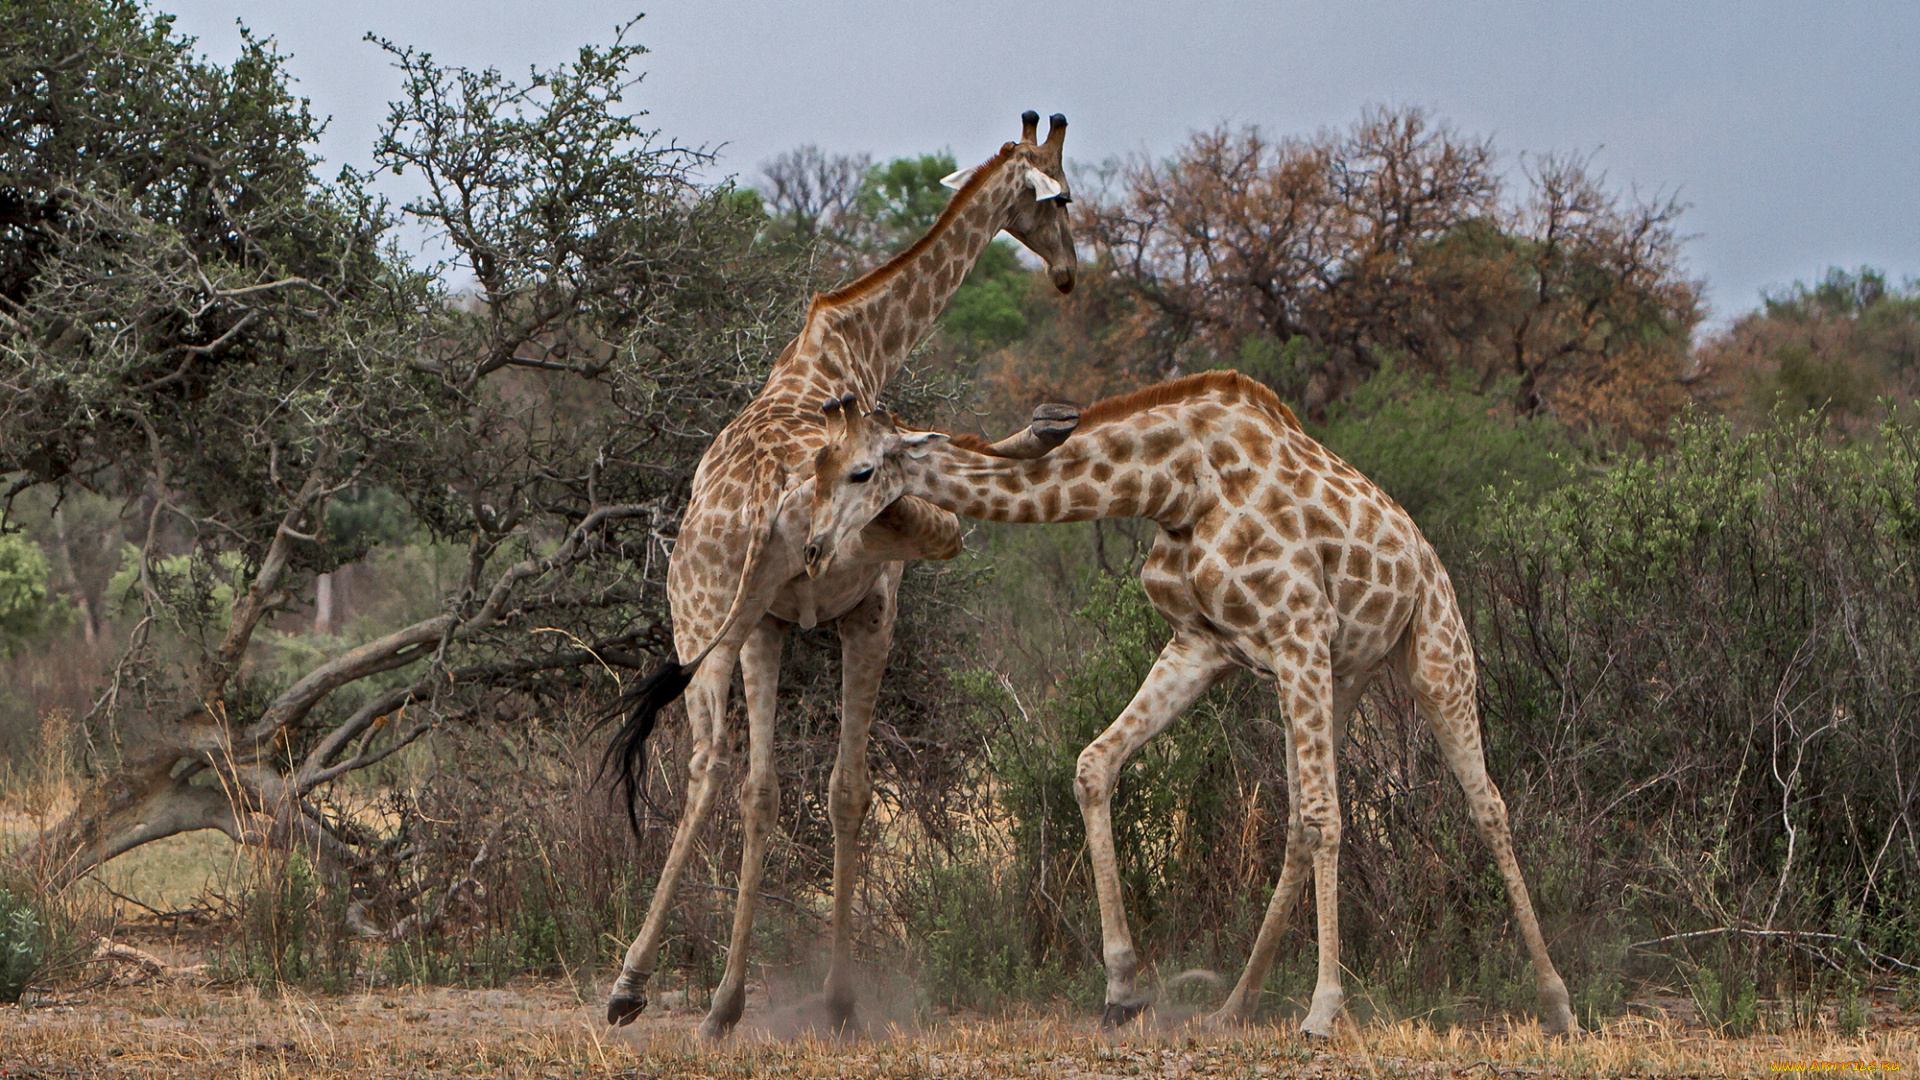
(194, 325)
(1314, 261)
(1836, 347)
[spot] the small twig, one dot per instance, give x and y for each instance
(816, 916)
(150, 909)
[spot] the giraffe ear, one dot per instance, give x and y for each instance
(957, 180)
(1044, 186)
(919, 444)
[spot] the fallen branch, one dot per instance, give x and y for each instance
(1873, 957)
(148, 965)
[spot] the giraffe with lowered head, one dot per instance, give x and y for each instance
(1272, 554)
(735, 580)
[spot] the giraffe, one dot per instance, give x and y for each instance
(735, 581)
(1272, 554)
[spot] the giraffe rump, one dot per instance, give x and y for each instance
(627, 753)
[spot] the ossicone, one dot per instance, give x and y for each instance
(1056, 131)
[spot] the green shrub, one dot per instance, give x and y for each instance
(1726, 1000)
(23, 591)
(1446, 452)
(1703, 665)
(23, 945)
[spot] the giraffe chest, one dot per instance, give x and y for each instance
(806, 601)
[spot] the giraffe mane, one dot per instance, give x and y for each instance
(968, 440)
(872, 279)
(1119, 407)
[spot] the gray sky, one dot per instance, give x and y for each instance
(1792, 129)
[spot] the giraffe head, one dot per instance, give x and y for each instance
(1038, 218)
(856, 475)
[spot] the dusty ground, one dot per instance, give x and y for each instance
(179, 1027)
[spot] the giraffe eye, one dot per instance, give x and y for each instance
(860, 476)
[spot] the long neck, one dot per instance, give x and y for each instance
(867, 328)
(1143, 467)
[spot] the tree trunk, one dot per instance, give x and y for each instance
(138, 803)
(323, 603)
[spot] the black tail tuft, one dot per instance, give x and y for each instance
(628, 751)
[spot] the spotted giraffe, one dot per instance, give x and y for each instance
(735, 581)
(1272, 554)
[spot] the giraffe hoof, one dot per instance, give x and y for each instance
(1117, 1015)
(1572, 1030)
(622, 1010)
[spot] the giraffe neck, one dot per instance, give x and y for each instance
(1141, 468)
(860, 334)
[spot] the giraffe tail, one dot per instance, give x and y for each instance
(642, 702)
(627, 753)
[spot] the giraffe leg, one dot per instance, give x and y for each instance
(866, 636)
(1182, 673)
(706, 703)
(1438, 664)
(1307, 696)
(759, 810)
(1245, 998)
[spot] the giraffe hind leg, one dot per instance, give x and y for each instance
(706, 704)
(759, 811)
(1437, 663)
(866, 638)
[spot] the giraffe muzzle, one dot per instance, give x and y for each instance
(817, 558)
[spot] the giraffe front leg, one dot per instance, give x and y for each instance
(706, 704)
(1182, 673)
(1307, 696)
(759, 810)
(866, 637)
(1295, 866)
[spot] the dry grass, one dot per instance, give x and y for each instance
(553, 1030)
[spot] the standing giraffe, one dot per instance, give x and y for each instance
(1273, 555)
(735, 581)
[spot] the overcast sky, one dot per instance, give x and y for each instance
(1792, 129)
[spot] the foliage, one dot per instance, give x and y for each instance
(1702, 663)
(1393, 240)
(23, 591)
(23, 944)
(811, 194)
(904, 196)
(986, 309)
(1835, 347)
(207, 335)
(971, 942)
(1445, 451)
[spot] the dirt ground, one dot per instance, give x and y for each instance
(177, 1025)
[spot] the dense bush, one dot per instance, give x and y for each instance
(23, 944)
(1703, 670)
